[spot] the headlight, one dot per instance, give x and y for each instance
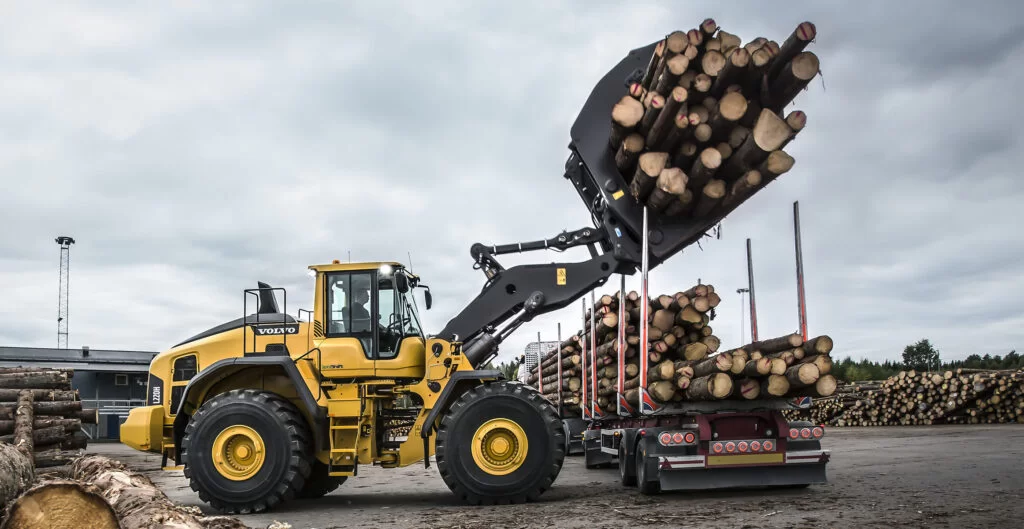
(385, 270)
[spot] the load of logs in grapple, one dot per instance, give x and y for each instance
(704, 129)
(41, 415)
(961, 396)
(684, 363)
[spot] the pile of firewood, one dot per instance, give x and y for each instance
(962, 396)
(704, 129)
(683, 359)
(42, 414)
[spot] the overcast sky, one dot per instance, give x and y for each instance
(194, 149)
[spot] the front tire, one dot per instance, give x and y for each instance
(319, 483)
(500, 443)
(246, 451)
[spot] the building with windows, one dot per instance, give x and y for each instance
(111, 381)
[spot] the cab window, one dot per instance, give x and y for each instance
(349, 308)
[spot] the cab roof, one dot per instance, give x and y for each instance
(337, 266)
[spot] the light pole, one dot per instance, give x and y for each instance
(743, 310)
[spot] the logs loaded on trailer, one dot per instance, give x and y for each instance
(40, 412)
(960, 396)
(684, 361)
(705, 127)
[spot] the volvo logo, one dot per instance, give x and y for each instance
(270, 330)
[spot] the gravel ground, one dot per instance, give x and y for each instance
(936, 477)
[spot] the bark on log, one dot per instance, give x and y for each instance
(737, 136)
(652, 64)
(703, 169)
(715, 364)
(49, 408)
(16, 473)
(138, 503)
(69, 425)
(758, 368)
(734, 72)
(769, 133)
(62, 504)
(681, 205)
(666, 119)
(792, 79)
(678, 130)
(802, 375)
(654, 107)
(685, 154)
(818, 345)
(791, 47)
(777, 163)
(743, 188)
(628, 153)
(36, 380)
(710, 387)
(779, 344)
(647, 172)
(11, 395)
(754, 79)
(710, 197)
(674, 69)
(670, 186)
(626, 114)
(23, 418)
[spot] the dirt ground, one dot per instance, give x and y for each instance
(938, 476)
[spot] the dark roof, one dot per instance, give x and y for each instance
(96, 360)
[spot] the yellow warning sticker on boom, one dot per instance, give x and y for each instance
(560, 276)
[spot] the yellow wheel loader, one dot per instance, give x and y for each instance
(272, 406)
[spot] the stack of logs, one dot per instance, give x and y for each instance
(683, 359)
(961, 396)
(42, 415)
(704, 129)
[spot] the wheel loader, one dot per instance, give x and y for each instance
(272, 406)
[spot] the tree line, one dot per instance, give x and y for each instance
(921, 356)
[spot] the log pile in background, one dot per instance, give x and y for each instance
(684, 362)
(704, 129)
(40, 411)
(961, 396)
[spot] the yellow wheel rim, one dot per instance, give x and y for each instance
(238, 453)
(499, 447)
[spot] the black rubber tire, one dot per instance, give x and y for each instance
(627, 470)
(319, 484)
(285, 435)
(643, 481)
(502, 399)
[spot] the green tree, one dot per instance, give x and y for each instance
(921, 356)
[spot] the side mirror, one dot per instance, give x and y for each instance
(428, 298)
(402, 282)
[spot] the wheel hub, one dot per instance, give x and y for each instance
(238, 453)
(499, 446)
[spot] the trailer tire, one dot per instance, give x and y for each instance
(643, 481)
(500, 443)
(627, 470)
(246, 451)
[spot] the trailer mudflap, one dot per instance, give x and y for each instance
(739, 471)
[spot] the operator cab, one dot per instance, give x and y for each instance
(369, 317)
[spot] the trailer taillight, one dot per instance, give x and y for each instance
(794, 433)
(689, 437)
(805, 433)
(755, 446)
(818, 432)
(665, 438)
(768, 446)
(730, 447)
(743, 446)
(677, 438)
(717, 448)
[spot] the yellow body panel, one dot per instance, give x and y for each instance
(143, 429)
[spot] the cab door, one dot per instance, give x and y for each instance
(400, 341)
(347, 350)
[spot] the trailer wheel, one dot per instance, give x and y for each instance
(627, 470)
(500, 443)
(246, 451)
(643, 481)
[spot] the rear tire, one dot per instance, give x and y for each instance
(500, 443)
(319, 483)
(643, 481)
(246, 451)
(627, 470)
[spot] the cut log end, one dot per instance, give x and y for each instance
(61, 505)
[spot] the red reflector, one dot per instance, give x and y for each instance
(805, 433)
(794, 433)
(665, 438)
(717, 448)
(755, 446)
(817, 432)
(768, 446)
(743, 446)
(689, 438)
(677, 438)
(730, 447)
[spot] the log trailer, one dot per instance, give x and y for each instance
(271, 406)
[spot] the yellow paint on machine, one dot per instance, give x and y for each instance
(745, 459)
(560, 276)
